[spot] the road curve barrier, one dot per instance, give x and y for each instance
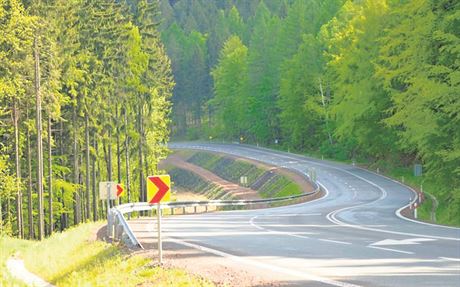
(119, 229)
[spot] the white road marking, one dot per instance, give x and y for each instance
(293, 234)
(335, 241)
(355, 193)
(409, 241)
(450, 259)
(390, 249)
(259, 264)
(290, 214)
(331, 216)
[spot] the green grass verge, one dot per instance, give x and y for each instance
(70, 259)
(279, 186)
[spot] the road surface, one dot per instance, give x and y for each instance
(353, 236)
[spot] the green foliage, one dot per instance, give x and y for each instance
(358, 97)
(229, 103)
(105, 84)
(301, 114)
(376, 81)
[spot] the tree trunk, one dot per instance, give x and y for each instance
(329, 136)
(94, 181)
(88, 208)
(50, 178)
(64, 216)
(128, 190)
(18, 171)
(82, 194)
(118, 149)
(30, 203)
(38, 122)
(141, 160)
(76, 196)
(109, 162)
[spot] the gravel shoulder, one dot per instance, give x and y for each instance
(220, 270)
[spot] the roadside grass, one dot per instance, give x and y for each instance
(279, 186)
(72, 259)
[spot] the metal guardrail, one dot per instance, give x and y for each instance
(119, 229)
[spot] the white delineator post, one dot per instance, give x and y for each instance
(160, 245)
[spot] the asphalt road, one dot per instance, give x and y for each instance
(353, 236)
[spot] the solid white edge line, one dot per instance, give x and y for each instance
(259, 264)
(389, 249)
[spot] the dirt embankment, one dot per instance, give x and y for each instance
(179, 160)
(229, 187)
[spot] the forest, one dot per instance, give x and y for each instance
(376, 81)
(91, 89)
(85, 90)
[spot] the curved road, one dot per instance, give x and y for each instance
(353, 236)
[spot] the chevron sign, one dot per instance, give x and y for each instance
(158, 189)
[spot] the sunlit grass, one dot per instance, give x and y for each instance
(71, 258)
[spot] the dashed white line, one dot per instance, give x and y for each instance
(390, 249)
(335, 241)
(450, 259)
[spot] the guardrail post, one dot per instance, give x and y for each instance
(183, 210)
(206, 208)
(194, 209)
(172, 210)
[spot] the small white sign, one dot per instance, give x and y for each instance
(103, 192)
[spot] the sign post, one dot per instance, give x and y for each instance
(109, 190)
(159, 190)
(160, 242)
